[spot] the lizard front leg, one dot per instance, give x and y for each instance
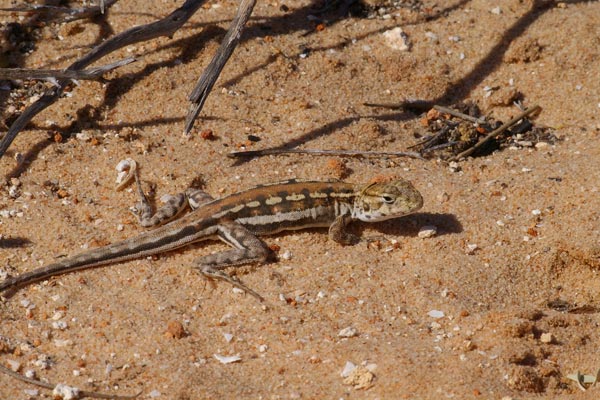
(174, 205)
(337, 231)
(248, 248)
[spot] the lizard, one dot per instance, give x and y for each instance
(238, 220)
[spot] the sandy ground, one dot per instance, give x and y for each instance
(520, 311)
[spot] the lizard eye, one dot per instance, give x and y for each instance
(387, 199)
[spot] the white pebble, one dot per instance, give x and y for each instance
(471, 248)
(64, 392)
(547, 337)
(348, 332)
(397, 39)
(287, 255)
(227, 359)
(228, 337)
(432, 36)
(59, 325)
(496, 10)
(427, 231)
(348, 368)
(31, 392)
(13, 365)
(83, 136)
(30, 374)
(536, 212)
(154, 393)
(436, 314)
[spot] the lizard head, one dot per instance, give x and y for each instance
(385, 200)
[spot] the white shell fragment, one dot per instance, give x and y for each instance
(227, 359)
(64, 392)
(427, 231)
(126, 170)
(397, 39)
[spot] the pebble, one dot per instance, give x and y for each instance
(31, 392)
(397, 39)
(287, 255)
(348, 368)
(64, 392)
(436, 314)
(547, 338)
(432, 36)
(348, 332)
(496, 10)
(227, 359)
(427, 231)
(536, 212)
(13, 365)
(471, 248)
(228, 337)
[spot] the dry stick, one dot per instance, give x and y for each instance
(46, 385)
(496, 132)
(350, 153)
(211, 73)
(91, 74)
(164, 27)
(72, 13)
(458, 114)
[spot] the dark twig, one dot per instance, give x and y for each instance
(92, 73)
(211, 73)
(164, 27)
(496, 132)
(458, 114)
(46, 385)
(349, 153)
(72, 13)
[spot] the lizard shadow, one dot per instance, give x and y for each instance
(409, 226)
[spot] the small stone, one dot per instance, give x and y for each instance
(360, 378)
(436, 314)
(228, 337)
(13, 365)
(427, 231)
(471, 248)
(453, 166)
(348, 368)
(397, 39)
(348, 332)
(83, 136)
(496, 10)
(287, 255)
(227, 359)
(547, 337)
(175, 330)
(64, 392)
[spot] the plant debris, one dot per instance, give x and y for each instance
(456, 133)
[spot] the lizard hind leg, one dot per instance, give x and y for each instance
(248, 248)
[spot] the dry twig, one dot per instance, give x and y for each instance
(349, 153)
(211, 73)
(72, 14)
(92, 73)
(164, 27)
(496, 132)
